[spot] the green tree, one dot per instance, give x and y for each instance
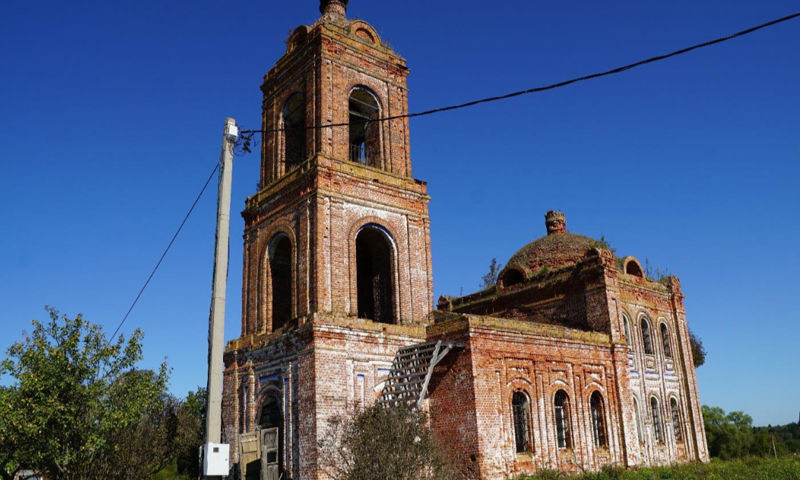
(491, 276)
(10, 436)
(698, 350)
(148, 445)
(191, 423)
(729, 435)
(73, 393)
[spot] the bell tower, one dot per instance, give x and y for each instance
(338, 225)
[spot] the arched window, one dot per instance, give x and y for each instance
(676, 420)
(511, 277)
(521, 408)
(365, 142)
(632, 268)
(638, 419)
(294, 131)
(280, 269)
(657, 426)
(598, 420)
(561, 404)
(665, 341)
(647, 339)
(627, 326)
(374, 275)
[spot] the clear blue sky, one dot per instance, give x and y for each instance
(112, 116)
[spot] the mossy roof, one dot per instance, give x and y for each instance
(552, 251)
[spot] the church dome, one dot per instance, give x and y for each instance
(556, 250)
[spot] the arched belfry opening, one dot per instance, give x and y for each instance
(294, 131)
(365, 142)
(280, 273)
(374, 275)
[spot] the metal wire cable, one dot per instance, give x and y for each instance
(554, 85)
(164, 254)
(457, 107)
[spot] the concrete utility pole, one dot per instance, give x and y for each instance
(216, 455)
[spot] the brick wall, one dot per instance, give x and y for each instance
(560, 328)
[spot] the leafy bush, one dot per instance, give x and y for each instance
(381, 443)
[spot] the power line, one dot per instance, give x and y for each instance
(164, 254)
(554, 85)
(449, 108)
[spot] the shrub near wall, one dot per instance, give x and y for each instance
(755, 468)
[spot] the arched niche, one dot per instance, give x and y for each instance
(280, 277)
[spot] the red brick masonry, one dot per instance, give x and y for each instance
(555, 322)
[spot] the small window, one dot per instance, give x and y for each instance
(521, 407)
(561, 404)
(658, 428)
(647, 339)
(638, 419)
(598, 421)
(511, 277)
(633, 268)
(245, 409)
(665, 341)
(676, 420)
(627, 326)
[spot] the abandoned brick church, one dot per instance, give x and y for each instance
(573, 360)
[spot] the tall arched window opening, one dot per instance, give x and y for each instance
(561, 404)
(374, 275)
(647, 338)
(598, 420)
(271, 423)
(294, 131)
(365, 143)
(676, 420)
(280, 269)
(638, 418)
(521, 407)
(657, 427)
(665, 341)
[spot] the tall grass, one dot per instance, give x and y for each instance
(754, 468)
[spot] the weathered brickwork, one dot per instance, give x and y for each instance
(573, 360)
(582, 286)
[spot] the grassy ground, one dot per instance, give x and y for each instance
(786, 468)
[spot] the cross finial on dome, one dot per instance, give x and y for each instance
(556, 222)
(333, 8)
